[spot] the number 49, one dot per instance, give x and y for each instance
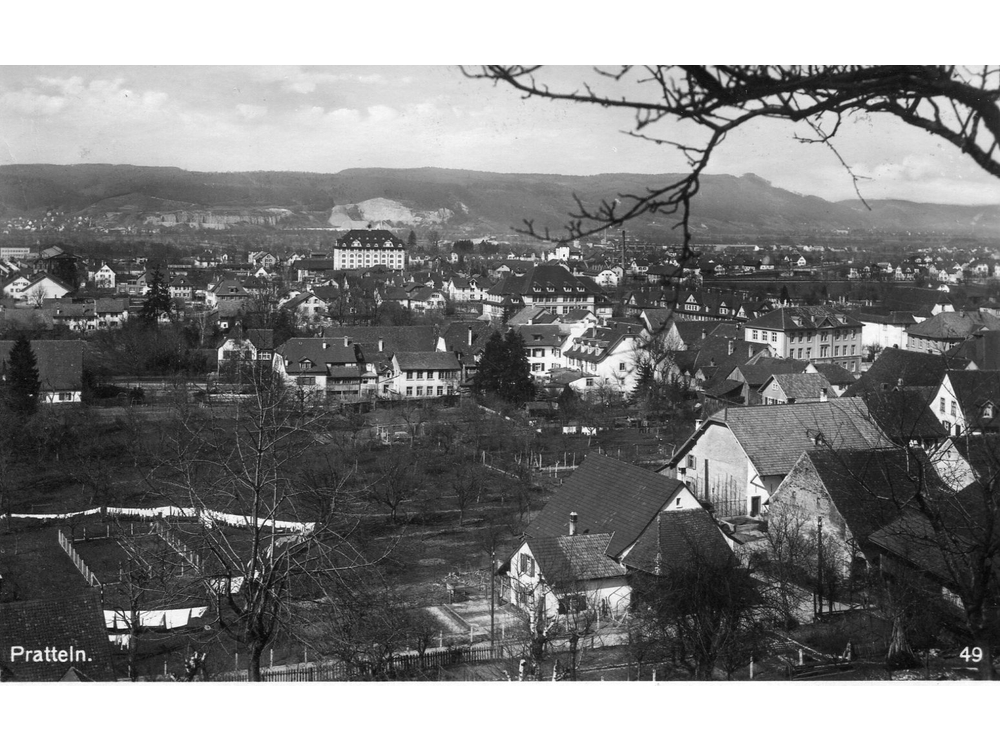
(972, 654)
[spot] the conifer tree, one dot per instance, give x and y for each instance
(22, 384)
(157, 299)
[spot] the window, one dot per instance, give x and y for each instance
(572, 603)
(941, 405)
(590, 382)
(440, 391)
(64, 396)
(836, 351)
(853, 349)
(420, 390)
(527, 564)
(305, 380)
(691, 461)
(774, 335)
(621, 367)
(954, 408)
(987, 411)
(754, 334)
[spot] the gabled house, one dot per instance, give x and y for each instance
(43, 286)
(326, 368)
(818, 333)
(795, 388)
(737, 457)
(967, 458)
(257, 345)
(423, 375)
(609, 355)
(968, 401)
(947, 329)
(60, 368)
(854, 492)
(584, 538)
(545, 347)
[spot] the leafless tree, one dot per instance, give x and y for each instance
(953, 103)
(245, 461)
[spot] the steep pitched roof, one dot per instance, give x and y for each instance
(868, 487)
(60, 363)
(565, 561)
(307, 355)
(67, 622)
(806, 318)
(800, 385)
(774, 437)
(394, 338)
(974, 389)
(982, 347)
(955, 325)
(682, 538)
(905, 415)
(835, 374)
(914, 369)
(610, 497)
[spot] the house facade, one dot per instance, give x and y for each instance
(365, 248)
(814, 333)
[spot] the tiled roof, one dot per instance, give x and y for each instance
(427, 361)
(974, 389)
(456, 336)
(261, 338)
(983, 348)
(775, 436)
(954, 325)
(682, 537)
(319, 352)
(394, 338)
(67, 622)
(60, 363)
(835, 374)
(805, 318)
(801, 385)
(370, 238)
(914, 369)
(905, 415)
(542, 335)
(609, 496)
(757, 374)
(867, 487)
(565, 561)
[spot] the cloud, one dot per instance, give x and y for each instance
(251, 111)
(31, 102)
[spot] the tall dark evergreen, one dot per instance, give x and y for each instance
(22, 384)
(157, 299)
(504, 369)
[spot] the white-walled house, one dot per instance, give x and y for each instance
(738, 456)
(602, 521)
(968, 401)
(423, 374)
(608, 355)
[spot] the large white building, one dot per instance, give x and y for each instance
(364, 248)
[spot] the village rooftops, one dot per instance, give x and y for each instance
(954, 326)
(427, 361)
(899, 367)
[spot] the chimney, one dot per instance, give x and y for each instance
(732, 347)
(658, 564)
(381, 345)
(704, 333)
(470, 336)
(326, 344)
(822, 394)
(899, 383)
(573, 517)
(347, 341)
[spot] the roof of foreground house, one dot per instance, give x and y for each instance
(67, 622)
(682, 538)
(609, 497)
(774, 437)
(567, 560)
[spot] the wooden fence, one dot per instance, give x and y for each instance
(398, 666)
(85, 571)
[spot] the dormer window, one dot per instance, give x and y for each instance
(988, 411)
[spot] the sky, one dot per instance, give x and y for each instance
(326, 118)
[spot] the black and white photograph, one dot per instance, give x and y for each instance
(419, 372)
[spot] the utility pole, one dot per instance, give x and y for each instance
(819, 572)
(493, 598)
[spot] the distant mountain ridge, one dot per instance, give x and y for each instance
(459, 200)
